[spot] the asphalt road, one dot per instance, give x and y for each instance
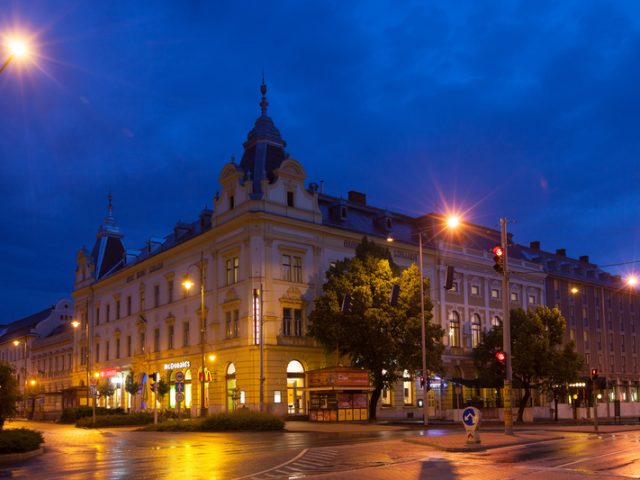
(123, 454)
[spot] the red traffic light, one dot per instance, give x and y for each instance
(497, 251)
(422, 381)
(501, 356)
(594, 373)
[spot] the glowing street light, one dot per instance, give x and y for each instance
(18, 49)
(574, 290)
(632, 280)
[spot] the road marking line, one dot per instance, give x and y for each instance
(589, 458)
(283, 464)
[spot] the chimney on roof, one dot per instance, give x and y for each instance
(584, 258)
(357, 197)
(562, 252)
(535, 245)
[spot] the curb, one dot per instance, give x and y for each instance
(18, 457)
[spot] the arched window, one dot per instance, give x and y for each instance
(454, 329)
(475, 330)
(295, 388)
(232, 394)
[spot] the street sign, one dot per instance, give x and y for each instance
(93, 390)
(470, 420)
(179, 397)
(179, 376)
(93, 381)
(179, 387)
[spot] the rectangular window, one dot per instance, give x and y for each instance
(129, 305)
(286, 267)
(407, 391)
(292, 322)
(514, 296)
(386, 397)
(495, 293)
(185, 334)
(170, 291)
(156, 339)
(117, 348)
(532, 299)
(98, 316)
(128, 345)
(142, 342)
(141, 308)
(108, 314)
(297, 269)
(455, 287)
(297, 318)
(156, 295)
(170, 336)
(232, 267)
(97, 352)
(231, 323)
(475, 290)
(106, 350)
(117, 309)
(290, 199)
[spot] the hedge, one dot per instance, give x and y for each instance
(18, 440)
(72, 415)
(116, 420)
(222, 422)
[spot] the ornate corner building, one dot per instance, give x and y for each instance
(254, 264)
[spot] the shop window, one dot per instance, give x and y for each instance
(295, 388)
(231, 387)
(407, 388)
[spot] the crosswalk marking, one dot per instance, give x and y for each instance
(307, 461)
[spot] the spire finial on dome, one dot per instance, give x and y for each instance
(263, 89)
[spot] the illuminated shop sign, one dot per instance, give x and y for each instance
(178, 365)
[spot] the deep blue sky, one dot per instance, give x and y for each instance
(528, 110)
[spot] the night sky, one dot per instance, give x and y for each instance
(526, 110)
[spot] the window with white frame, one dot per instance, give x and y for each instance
(532, 299)
(514, 296)
(495, 293)
(407, 388)
(454, 329)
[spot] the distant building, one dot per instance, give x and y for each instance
(37, 347)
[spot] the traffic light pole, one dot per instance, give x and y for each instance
(506, 330)
(425, 398)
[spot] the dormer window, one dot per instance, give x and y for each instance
(231, 202)
(289, 199)
(343, 213)
(387, 223)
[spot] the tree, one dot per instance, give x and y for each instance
(9, 392)
(536, 350)
(564, 368)
(489, 369)
(132, 388)
(382, 338)
(106, 389)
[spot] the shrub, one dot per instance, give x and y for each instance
(121, 420)
(18, 440)
(221, 422)
(72, 415)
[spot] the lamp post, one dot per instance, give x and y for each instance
(76, 324)
(187, 284)
(452, 222)
(258, 323)
(25, 372)
(506, 329)
(17, 49)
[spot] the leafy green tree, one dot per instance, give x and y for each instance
(106, 389)
(375, 335)
(9, 392)
(536, 350)
(564, 368)
(163, 388)
(489, 369)
(132, 388)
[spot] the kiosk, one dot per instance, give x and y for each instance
(338, 394)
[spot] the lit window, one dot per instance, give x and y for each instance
(292, 322)
(475, 330)
(292, 268)
(475, 290)
(532, 299)
(514, 296)
(454, 329)
(232, 267)
(407, 388)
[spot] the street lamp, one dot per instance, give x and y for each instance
(188, 284)
(18, 49)
(451, 222)
(25, 372)
(76, 324)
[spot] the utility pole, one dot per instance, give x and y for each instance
(506, 329)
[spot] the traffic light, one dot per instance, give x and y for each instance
(448, 279)
(421, 381)
(498, 259)
(594, 373)
(395, 293)
(347, 304)
(500, 356)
